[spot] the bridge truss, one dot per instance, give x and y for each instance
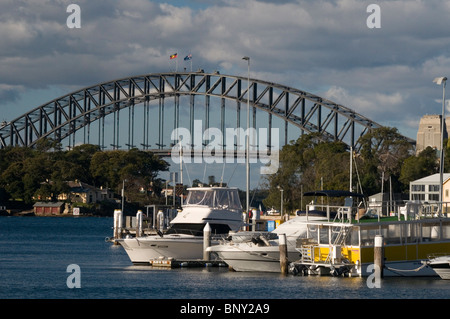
(63, 117)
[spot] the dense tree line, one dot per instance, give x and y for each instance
(307, 164)
(27, 173)
(385, 158)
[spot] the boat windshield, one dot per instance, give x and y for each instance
(197, 229)
(221, 198)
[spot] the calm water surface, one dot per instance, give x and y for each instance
(35, 253)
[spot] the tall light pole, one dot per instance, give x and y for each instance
(281, 202)
(439, 81)
(247, 139)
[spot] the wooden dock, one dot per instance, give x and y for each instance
(173, 263)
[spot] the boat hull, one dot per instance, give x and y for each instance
(410, 268)
(441, 266)
(249, 257)
(141, 250)
(444, 273)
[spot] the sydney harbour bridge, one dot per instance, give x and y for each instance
(140, 111)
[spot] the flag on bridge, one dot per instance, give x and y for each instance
(188, 57)
(174, 56)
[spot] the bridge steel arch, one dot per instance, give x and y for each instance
(63, 116)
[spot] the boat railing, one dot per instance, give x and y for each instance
(409, 210)
(333, 213)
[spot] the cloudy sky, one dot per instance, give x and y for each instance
(323, 47)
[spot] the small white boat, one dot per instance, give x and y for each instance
(441, 265)
(218, 206)
(259, 251)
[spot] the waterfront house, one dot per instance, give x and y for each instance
(84, 193)
(427, 188)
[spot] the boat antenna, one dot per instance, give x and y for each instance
(204, 173)
(223, 171)
(232, 174)
(359, 182)
(187, 172)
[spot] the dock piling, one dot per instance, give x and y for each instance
(206, 241)
(283, 254)
(139, 221)
(160, 220)
(117, 223)
(378, 256)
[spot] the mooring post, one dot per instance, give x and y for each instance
(160, 220)
(244, 220)
(139, 219)
(378, 256)
(117, 224)
(283, 254)
(206, 241)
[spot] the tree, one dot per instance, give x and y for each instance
(415, 167)
(305, 165)
(139, 168)
(27, 173)
(383, 150)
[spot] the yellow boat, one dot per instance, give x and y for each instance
(346, 243)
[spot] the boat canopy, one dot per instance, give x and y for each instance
(333, 193)
(217, 197)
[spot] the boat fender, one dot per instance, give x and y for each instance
(293, 269)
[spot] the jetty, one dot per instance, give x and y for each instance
(173, 263)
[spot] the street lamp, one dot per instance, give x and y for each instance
(247, 139)
(281, 208)
(439, 81)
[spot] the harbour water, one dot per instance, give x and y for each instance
(36, 251)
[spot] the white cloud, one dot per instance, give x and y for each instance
(323, 47)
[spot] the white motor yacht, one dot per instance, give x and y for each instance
(218, 206)
(259, 251)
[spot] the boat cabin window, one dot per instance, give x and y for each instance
(200, 197)
(431, 232)
(227, 199)
(221, 198)
(197, 229)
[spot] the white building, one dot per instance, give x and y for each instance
(427, 188)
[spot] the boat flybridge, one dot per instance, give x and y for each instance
(219, 207)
